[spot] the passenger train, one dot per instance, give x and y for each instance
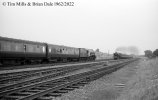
(26, 52)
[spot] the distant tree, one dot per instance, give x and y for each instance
(155, 53)
(97, 50)
(148, 53)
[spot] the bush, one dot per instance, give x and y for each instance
(148, 53)
(155, 53)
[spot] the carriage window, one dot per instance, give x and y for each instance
(60, 50)
(25, 47)
(43, 49)
(50, 50)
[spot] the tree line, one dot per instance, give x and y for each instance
(150, 54)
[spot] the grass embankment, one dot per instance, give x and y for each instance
(144, 85)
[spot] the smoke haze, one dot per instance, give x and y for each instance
(128, 50)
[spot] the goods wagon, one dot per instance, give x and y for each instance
(15, 50)
(62, 53)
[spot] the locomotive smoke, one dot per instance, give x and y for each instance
(128, 50)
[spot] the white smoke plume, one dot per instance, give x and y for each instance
(131, 50)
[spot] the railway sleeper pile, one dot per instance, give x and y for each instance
(47, 89)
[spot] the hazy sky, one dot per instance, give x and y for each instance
(103, 24)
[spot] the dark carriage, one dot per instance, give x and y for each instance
(84, 54)
(21, 51)
(13, 51)
(62, 53)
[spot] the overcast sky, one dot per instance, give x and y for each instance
(103, 24)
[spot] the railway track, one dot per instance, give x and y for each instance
(48, 86)
(6, 78)
(22, 76)
(8, 67)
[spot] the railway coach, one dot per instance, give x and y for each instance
(62, 53)
(16, 51)
(21, 51)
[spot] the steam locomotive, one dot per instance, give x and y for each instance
(117, 55)
(22, 51)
